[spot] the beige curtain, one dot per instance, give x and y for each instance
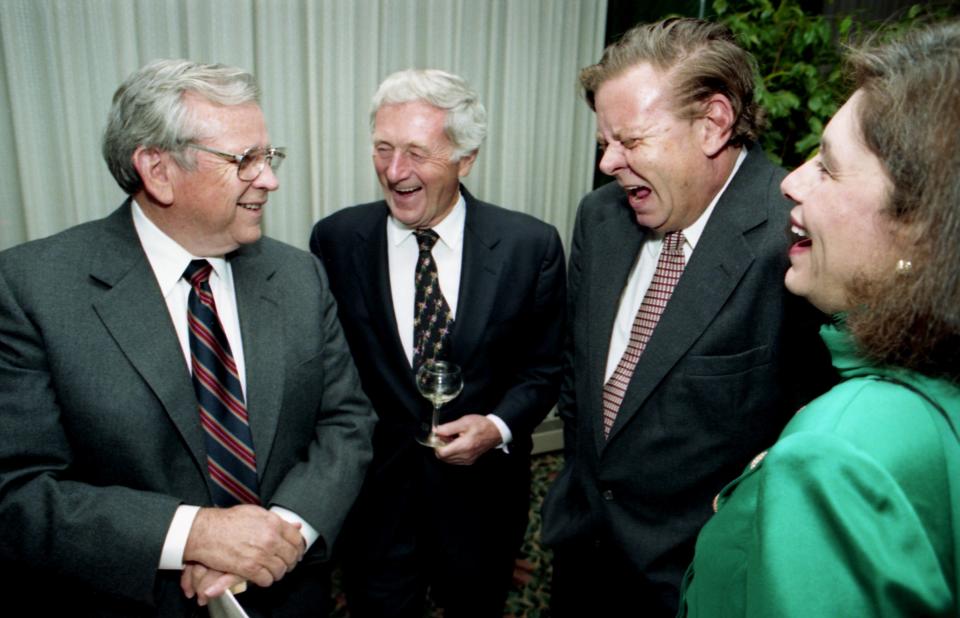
(318, 63)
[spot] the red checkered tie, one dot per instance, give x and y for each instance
(231, 462)
(669, 269)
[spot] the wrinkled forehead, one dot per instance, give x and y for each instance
(412, 124)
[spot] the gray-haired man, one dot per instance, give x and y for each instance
(451, 519)
(178, 407)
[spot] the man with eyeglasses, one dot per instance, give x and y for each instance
(179, 412)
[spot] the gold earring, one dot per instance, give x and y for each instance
(904, 267)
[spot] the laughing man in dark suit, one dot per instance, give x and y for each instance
(137, 470)
(670, 389)
(452, 519)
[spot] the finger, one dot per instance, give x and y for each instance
(291, 547)
(202, 577)
(186, 582)
(221, 584)
(452, 428)
(197, 573)
(277, 567)
(263, 577)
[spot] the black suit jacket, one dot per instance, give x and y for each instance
(100, 438)
(733, 357)
(507, 338)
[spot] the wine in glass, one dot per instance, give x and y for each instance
(439, 381)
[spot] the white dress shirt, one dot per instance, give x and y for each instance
(168, 260)
(403, 253)
(642, 275)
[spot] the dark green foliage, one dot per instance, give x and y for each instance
(800, 82)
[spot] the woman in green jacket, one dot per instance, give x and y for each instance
(855, 511)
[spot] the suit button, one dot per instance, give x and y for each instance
(607, 494)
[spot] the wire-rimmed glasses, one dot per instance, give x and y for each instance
(250, 162)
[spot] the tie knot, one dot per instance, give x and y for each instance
(197, 272)
(426, 239)
(673, 241)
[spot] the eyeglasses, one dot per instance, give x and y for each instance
(251, 162)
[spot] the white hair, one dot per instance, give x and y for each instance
(466, 120)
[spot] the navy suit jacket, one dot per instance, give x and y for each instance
(507, 338)
(100, 439)
(733, 356)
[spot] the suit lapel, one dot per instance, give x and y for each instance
(371, 269)
(259, 301)
(618, 241)
(479, 275)
(719, 261)
(134, 313)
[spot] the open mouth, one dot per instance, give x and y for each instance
(636, 192)
(407, 192)
(253, 207)
(798, 237)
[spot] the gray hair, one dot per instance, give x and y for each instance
(148, 110)
(466, 121)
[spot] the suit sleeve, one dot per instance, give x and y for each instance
(567, 405)
(835, 535)
(536, 365)
(50, 522)
(322, 487)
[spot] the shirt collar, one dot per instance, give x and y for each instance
(450, 229)
(167, 258)
(691, 235)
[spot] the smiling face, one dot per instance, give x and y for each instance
(411, 154)
(212, 211)
(658, 158)
(839, 195)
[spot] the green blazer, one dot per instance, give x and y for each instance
(855, 511)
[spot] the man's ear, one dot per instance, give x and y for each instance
(465, 164)
(154, 167)
(716, 124)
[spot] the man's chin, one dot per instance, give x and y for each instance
(649, 221)
(408, 215)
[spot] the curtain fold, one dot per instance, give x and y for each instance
(318, 63)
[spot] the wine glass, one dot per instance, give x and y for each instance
(439, 381)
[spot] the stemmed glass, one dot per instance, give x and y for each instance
(440, 382)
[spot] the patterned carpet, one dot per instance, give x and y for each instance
(530, 596)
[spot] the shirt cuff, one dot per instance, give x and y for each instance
(505, 434)
(306, 530)
(171, 557)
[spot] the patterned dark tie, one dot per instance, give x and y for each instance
(432, 320)
(669, 268)
(223, 414)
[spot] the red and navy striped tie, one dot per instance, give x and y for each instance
(223, 414)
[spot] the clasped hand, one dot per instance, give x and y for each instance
(236, 544)
(468, 438)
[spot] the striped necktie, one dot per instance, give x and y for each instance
(669, 268)
(432, 320)
(223, 414)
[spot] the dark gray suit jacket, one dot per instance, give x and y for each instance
(507, 338)
(733, 357)
(99, 434)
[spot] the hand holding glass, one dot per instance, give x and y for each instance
(439, 382)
